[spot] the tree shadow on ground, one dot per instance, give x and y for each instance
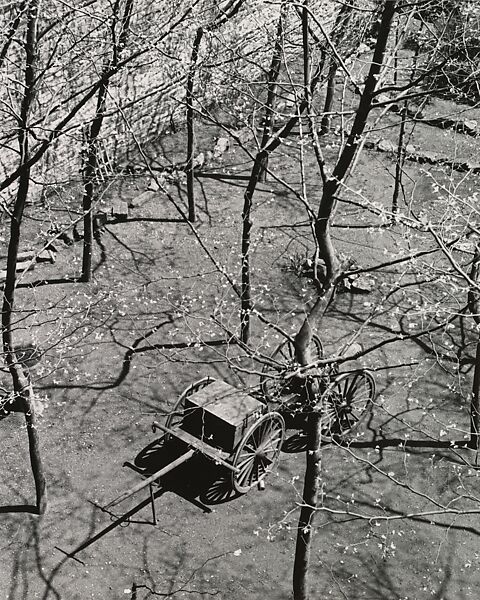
(383, 582)
(297, 442)
(53, 281)
(19, 508)
(138, 346)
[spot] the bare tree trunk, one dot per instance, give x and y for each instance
(21, 386)
(228, 11)
(474, 307)
(332, 184)
(403, 113)
(329, 96)
(28, 408)
(304, 336)
(339, 30)
(12, 30)
(261, 157)
(190, 124)
(272, 78)
(245, 295)
(311, 484)
(400, 161)
(246, 304)
(311, 488)
(89, 176)
(475, 403)
(92, 133)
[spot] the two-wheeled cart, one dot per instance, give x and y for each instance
(224, 424)
(244, 433)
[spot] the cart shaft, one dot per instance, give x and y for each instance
(146, 482)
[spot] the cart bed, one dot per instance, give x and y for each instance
(219, 415)
(198, 444)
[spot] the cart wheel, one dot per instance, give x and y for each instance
(346, 402)
(271, 384)
(175, 417)
(258, 451)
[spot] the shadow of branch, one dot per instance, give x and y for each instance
(19, 508)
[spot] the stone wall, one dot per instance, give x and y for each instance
(149, 91)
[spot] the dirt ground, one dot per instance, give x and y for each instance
(107, 372)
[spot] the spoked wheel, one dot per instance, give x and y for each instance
(258, 451)
(175, 417)
(272, 384)
(346, 402)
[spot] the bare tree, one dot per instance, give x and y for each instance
(475, 310)
(118, 43)
(272, 77)
(304, 336)
(23, 391)
(341, 30)
(228, 12)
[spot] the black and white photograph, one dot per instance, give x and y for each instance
(240, 299)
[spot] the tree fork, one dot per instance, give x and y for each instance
(366, 98)
(272, 144)
(304, 335)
